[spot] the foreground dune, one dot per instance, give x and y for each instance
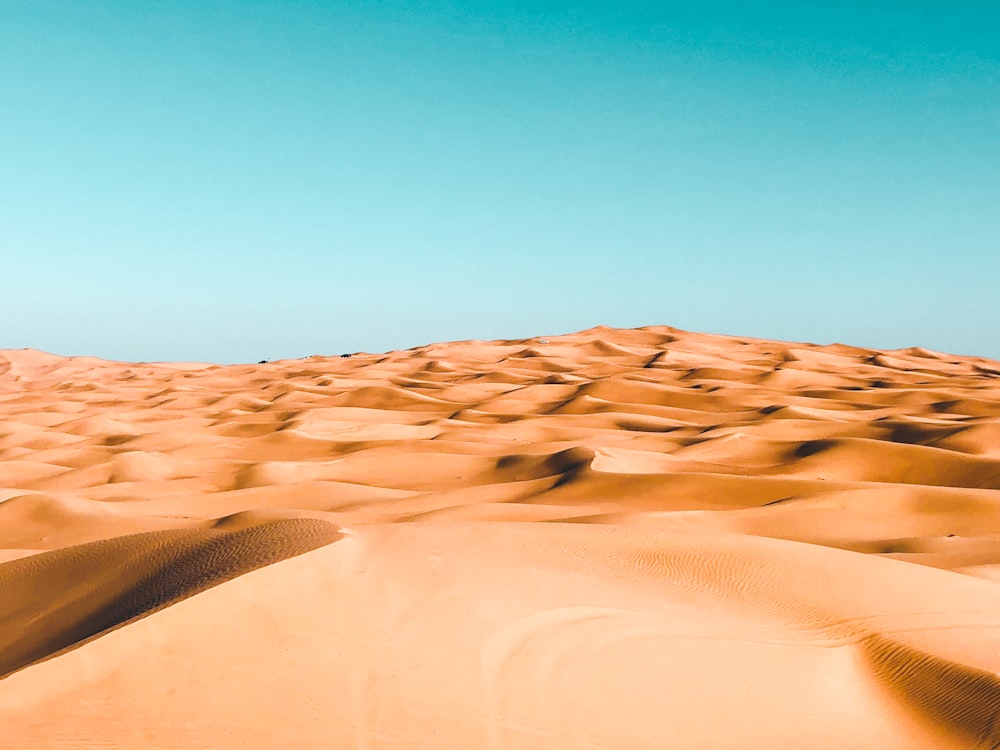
(611, 539)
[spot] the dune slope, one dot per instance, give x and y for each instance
(613, 538)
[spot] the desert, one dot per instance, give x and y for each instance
(617, 538)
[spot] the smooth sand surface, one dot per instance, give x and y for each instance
(610, 539)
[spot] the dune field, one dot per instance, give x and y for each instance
(610, 539)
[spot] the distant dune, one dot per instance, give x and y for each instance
(610, 539)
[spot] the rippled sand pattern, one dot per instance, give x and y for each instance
(612, 539)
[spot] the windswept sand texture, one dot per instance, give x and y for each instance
(616, 539)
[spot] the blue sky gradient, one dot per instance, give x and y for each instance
(232, 181)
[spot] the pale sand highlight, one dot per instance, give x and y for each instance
(617, 539)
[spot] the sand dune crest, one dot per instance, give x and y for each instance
(611, 538)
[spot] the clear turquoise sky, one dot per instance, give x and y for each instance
(232, 181)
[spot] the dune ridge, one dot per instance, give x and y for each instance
(602, 539)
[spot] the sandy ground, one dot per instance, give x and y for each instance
(611, 539)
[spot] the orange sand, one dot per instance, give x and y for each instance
(616, 539)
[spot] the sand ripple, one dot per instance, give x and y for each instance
(614, 538)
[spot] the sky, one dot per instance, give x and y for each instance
(234, 181)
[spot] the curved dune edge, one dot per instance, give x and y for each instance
(61, 599)
(963, 700)
(612, 538)
(508, 635)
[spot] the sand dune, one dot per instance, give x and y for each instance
(607, 539)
